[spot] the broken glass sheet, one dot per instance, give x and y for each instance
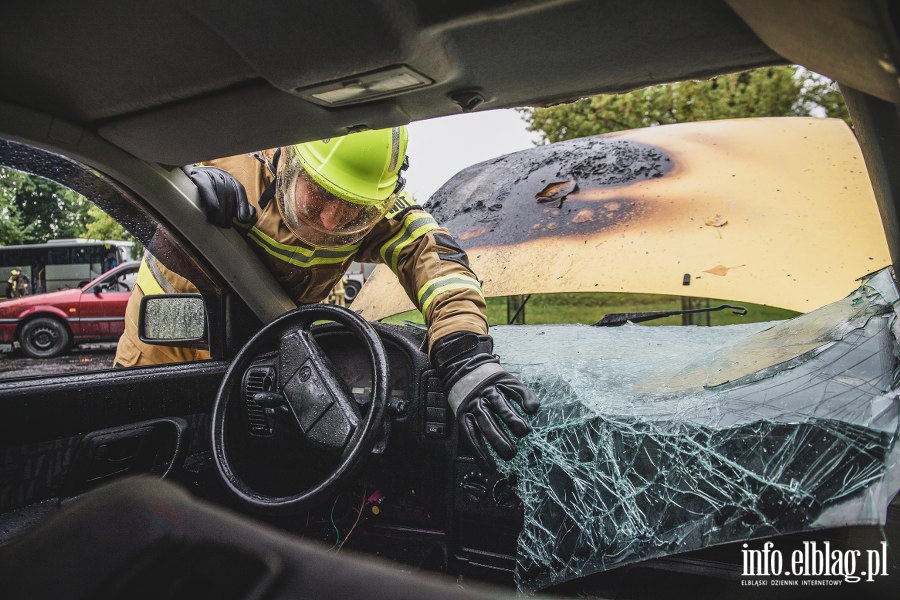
(659, 440)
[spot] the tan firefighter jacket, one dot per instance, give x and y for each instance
(430, 265)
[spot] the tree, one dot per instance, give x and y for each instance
(52, 210)
(13, 228)
(34, 209)
(104, 227)
(771, 91)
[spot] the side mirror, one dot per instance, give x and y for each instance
(172, 320)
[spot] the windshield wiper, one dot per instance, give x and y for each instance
(519, 310)
(616, 319)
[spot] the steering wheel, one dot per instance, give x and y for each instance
(319, 401)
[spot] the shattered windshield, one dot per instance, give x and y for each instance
(655, 441)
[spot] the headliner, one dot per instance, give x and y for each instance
(177, 82)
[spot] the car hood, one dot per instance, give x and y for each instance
(775, 211)
(50, 298)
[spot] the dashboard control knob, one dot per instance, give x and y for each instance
(504, 495)
(474, 485)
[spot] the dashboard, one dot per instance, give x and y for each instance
(412, 382)
(420, 496)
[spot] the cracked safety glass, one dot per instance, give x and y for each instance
(659, 440)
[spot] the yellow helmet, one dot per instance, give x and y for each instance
(332, 192)
(363, 168)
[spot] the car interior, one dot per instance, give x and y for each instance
(193, 479)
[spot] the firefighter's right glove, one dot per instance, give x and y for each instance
(482, 394)
(223, 197)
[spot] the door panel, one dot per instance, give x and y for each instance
(64, 433)
(52, 430)
(155, 447)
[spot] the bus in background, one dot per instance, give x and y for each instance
(62, 264)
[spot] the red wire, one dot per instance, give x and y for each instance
(358, 516)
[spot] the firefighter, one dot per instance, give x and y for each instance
(308, 211)
(11, 283)
(17, 284)
(337, 293)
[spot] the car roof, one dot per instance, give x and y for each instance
(177, 82)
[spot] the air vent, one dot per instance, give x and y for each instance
(259, 419)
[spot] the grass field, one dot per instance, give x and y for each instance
(588, 308)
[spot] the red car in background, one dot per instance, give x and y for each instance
(47, 325)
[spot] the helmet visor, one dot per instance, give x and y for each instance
(320, 218)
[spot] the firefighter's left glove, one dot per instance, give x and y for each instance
(486, 399)
(223, 197)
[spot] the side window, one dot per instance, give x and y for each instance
(124, 282)
(69, 238)
(120, 280)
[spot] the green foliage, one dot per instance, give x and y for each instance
(13, 227)
(767, 92)
(103, 227)
(35, 210)
(589, 307)
(40, 209)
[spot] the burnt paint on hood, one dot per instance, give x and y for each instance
(472, 203)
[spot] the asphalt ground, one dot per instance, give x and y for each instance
(92, 357)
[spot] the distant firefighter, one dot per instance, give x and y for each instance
(17, 285)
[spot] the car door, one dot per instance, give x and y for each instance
(102, 305)
(64, 432)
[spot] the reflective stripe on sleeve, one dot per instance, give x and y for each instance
(447, 283)
(298, 255)
(150, 279)
(415, 225)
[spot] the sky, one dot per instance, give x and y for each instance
(440, 148)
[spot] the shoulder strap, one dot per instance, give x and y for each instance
(269, 192)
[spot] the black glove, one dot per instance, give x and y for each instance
(481, 394)
(222, 196)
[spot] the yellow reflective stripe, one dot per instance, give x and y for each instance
(298, 255)
(147, 281)
(446, 283)
(415, 225)
(403, 202)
